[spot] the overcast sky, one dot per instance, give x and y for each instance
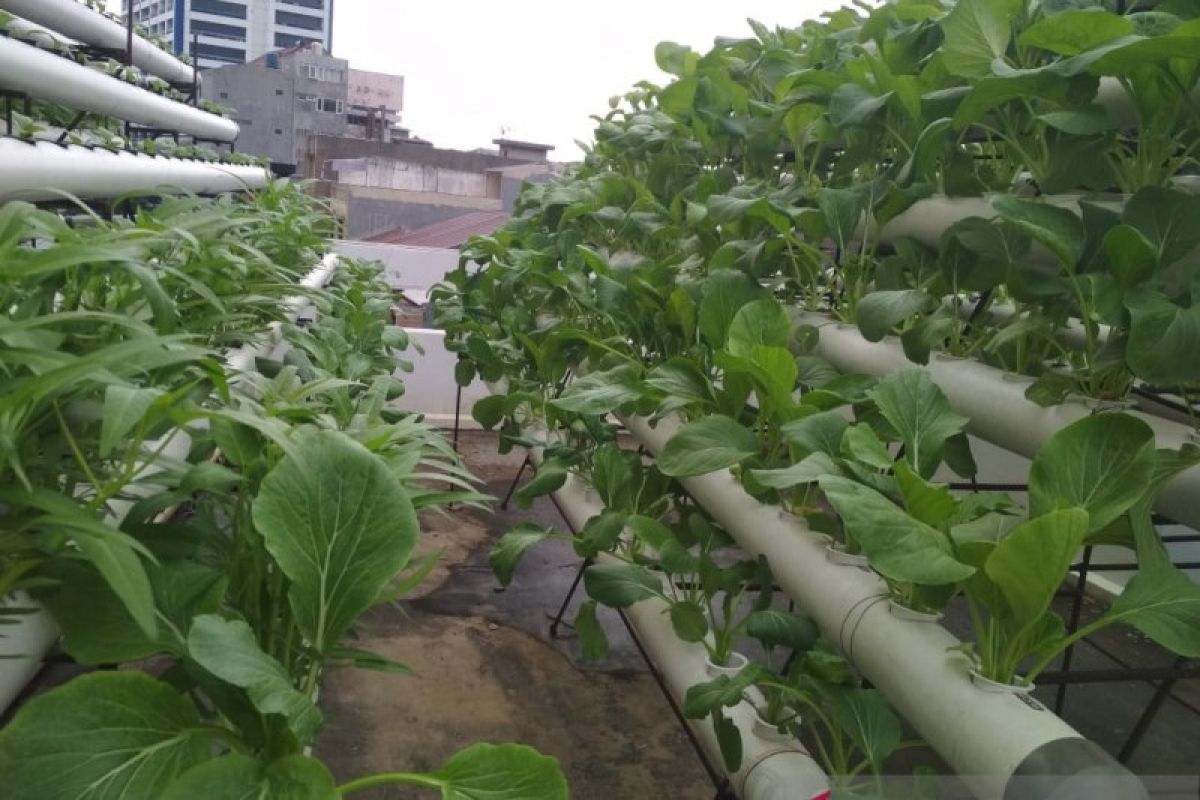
(536, 68)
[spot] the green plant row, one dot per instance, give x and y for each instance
(787, 156)
(659, 280)
(228, 529)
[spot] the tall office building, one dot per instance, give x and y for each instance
(235, 31)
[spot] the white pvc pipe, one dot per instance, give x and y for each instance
(76, 20)
(986, 738)
(39, 171)
(23, 646)
(242, 359)
(769, 770)
(926, 220)
(995, 404)
(46, 76)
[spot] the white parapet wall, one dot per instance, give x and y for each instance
(430, 388)
(413, 268)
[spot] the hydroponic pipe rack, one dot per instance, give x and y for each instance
(45, 75)
(77, 21)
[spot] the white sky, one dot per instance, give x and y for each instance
(536, 68)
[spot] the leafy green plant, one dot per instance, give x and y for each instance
(109, 346)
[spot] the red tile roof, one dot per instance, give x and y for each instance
(447, 234)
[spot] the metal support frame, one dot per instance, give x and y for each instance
(72, 125)
(1065, 676)
(720, 783)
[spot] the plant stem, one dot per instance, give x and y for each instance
(385, 778)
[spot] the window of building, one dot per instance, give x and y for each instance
(220, 8)
(331, 106)
(219, 31)
(318, 4)
(278, 92)
(291, 40)
(320, 73)
(305, 21)
(230, 55)
(279, 131)
(306, 101)
(224, 95)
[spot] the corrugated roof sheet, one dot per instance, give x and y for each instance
(447, 234)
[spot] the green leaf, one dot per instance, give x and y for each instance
(861, 444)
(865, 716)
(931, 504)
(1102, 464)
(1130, 254)
(809, 469)
(600, 392)
(501, 772)
(620, 585)
(114, 555)
(680, 379)
(1029, 564)
(817, 433)
(916, 408)
(729, 739)
(239, 777)
(676, 59)
(96, 625)
(120, 735)
(843, 211)
(601, 533)
(1075, 30)
(689, 622)
(507, 552)
(851, 104)
(1058, 229)
(592, 639)
(1161, 601)
(1080, 122)
(774, 628)
(898, 545)
(1163, 339)
(1167, 218)
(124, 408)
(489, 411)
(707, 445)
(229, 650)
(340, 526)
(239, 444)
(879, 312)
(759, 322)
(725, 291)
(976, 33)
(550, 477)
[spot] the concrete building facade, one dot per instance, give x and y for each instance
(235, 31)
(284, 97)
(393, 187)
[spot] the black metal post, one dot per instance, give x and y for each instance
(516, 479)
(1060, 698)
(562, 610)
(457, 414)
(719, 781)
(1143, 723)
(195, 69)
